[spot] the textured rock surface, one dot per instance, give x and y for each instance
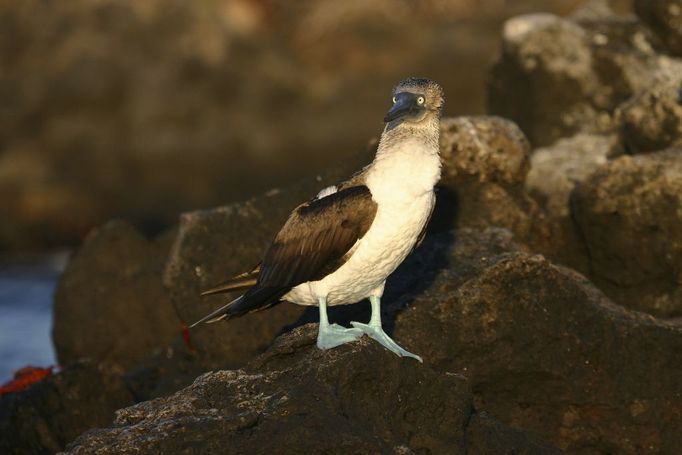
(545, 68)
(485, 149)
(295, 398)
(629, 215)
(44, 418)
(110, 304)
(559, 76)
(665, 18)
(485, 162)
(546, 351)
(555, 170)
(652, 120)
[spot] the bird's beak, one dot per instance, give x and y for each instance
(405, 104)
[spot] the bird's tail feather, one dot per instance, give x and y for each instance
(219, 314)
(255, 299)
(238, 283)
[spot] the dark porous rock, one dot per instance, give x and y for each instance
(358, 398)
(110, 303)
(546, 351)
(665, 19)
(485, 162)
(629, 215)
(214, 245)
(50, 414)
(652, 120)
(164, 371)
(559, 76)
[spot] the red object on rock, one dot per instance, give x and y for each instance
(24, 378)
(186, 338)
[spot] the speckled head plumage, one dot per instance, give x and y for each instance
(415, 99)
(433, 92)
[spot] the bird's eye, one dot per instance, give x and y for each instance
(420, 100)
(394, 100)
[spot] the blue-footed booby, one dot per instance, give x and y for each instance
(340, 247)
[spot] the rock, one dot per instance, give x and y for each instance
(544, 350)
(296, 398)
(628, 212)
(164, 371)
(555, 170)
(545, 68)
(51, 413)
(556, 77)
(665, 19)
(110, 304)
(652, 120)
(485, 162)
(484, 149)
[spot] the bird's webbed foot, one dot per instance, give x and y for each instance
(377, 333)
(332, 335)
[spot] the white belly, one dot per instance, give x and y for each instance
(386, 244)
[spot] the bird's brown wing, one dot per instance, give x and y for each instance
(316, 237)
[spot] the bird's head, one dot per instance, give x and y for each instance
(414, 100)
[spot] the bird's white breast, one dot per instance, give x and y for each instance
(401, 183)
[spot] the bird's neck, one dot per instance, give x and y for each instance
(407, 163)
(426, 133)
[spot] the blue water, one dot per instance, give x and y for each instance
(26, 290)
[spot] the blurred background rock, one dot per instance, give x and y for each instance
(143, 109)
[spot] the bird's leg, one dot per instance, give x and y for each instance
(374, 330)
(332, 335)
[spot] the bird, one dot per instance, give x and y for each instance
(340, 247)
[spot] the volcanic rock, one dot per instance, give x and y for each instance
(556, 169)
(110, 304)
(546, 351)
(296, 398)
(652, 120)
(485, 162)
(556, 76)
(665, 19)
(628, 212)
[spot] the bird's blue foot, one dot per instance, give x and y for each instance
(332, 335)
(377, 333)
(374, 330)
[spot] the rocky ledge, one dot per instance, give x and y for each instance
(296, 398)
(545, 301)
